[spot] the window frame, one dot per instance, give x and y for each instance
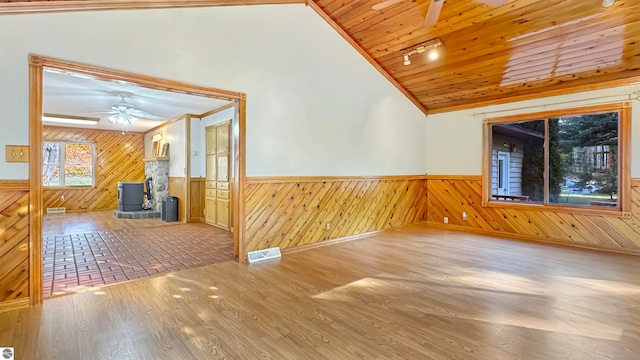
(63, 163)
(624, 157)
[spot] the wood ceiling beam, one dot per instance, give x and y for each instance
(366, 55)
(23, 7)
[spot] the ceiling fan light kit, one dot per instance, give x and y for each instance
(430, 46)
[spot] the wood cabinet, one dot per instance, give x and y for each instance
(217, 197)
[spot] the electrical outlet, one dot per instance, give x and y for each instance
(61, 197)
(464, 215)
(446, 219)
(327, 226)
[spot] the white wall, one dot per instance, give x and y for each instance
(454, 139)
(175, 135)
(314, 105)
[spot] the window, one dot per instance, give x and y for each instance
(67, 164)
(569, 158)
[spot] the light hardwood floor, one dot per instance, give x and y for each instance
(415, 293)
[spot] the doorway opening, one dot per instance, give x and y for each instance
(95, 132)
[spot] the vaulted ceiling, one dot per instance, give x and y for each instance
(494, 53)
(491, 54)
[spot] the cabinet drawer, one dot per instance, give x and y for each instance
(223, 185)
(211, 192)
(223, 194)
(211, 184)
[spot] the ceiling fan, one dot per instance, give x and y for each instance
(124, 113)
(435, 7)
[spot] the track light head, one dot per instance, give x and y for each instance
(407, 61)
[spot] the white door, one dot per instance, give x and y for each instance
(503, 173)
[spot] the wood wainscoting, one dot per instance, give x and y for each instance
(178, 188)
(451, 195)
(196, 205)
(118, 157)
(14, 243)
(290, 212)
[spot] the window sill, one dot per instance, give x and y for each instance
(559, 208)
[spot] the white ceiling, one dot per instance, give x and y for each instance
(66, 93)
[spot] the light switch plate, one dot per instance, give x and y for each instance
(16, 153)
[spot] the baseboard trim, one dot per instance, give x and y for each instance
(342, 239)
(14, 304)
(528, 238)
(324, 243)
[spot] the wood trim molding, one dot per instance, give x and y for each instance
(455, 177)
(143, 80)
(570, 111)
(366, 55)
(238, 219)
(295, 179)
(14, 304)
(14, 184)
(333, 241)
(529, 238)
(187, 175)
(92, 5)
(36, 65)
(166, 123)
(624, 173)
(215, 111)
(342, 239)
(540, 94)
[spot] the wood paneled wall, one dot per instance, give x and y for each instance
(14, 242)
(451, 196)
(197, 194)
(119, 157)
(177, 188)
(290, 213)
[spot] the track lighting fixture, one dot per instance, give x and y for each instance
(407, 61)
(429, 45)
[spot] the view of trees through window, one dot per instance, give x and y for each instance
(582, 160)
(67, 164)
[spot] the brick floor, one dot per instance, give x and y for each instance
(77, 261)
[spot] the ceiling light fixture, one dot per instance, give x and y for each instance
(407, 61)
(68, 119)
(608, 3)
(429, 45)
(123, 118)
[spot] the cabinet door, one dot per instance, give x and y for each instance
(223, 168)
(210, 210)
(210, 140)
(211, 167)
(222, 138)
(222, 213)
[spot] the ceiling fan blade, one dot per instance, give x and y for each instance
(495, 3)
(144, 114)
(385, 4)
(433, 13)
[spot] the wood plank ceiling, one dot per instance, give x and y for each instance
(523, 49)
(491, 54)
